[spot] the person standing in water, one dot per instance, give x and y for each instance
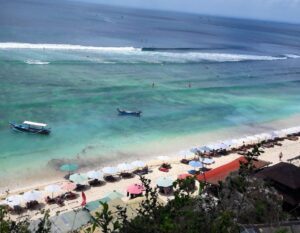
(153, 85)
(190, 85)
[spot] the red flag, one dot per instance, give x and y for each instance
(83, 203)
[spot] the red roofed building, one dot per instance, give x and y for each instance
(220, 173)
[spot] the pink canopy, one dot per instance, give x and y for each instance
(68, 186)
(135, 189)
(184, 176)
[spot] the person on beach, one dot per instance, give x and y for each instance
(280, 156)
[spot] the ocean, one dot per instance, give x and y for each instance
(72, 64)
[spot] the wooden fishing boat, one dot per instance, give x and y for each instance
(31, 127)
(129, 113)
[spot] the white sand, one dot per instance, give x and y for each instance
(289, 149)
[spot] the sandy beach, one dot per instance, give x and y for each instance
(47, 174)
(289, 150)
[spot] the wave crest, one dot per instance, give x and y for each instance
(137, 55)
(36, 62)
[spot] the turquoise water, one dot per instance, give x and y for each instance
(78, 98)
(241, 72)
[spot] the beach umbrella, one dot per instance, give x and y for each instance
(69, 167)
(138, 164)
(135, 189)
(195, 164)
(110, 170)
(79, 178)
(122, 167)
(113, 195)
(204, 149)
(14, 200)
(185, 153)
(207, 160)
(194, 150)
(165, 182)
(163, 158)
(184, 176)
(53, 188)
(68, 186)
(32, 195)
(96, 175)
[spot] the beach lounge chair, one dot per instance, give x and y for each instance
(31, 205)
(95, 182)
(127, 175)
(69, 196)
(141, 172)
(50, 201)
(163, 169)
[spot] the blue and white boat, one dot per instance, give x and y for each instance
(130, 113)
(31, 127)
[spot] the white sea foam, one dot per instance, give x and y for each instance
(138, 55)
(292, 56)
(36, 62)
(13, 45)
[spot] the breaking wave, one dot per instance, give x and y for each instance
(36, 62)
(138, 55)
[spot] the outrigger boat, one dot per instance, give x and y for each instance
(130, 113)
(31, 127)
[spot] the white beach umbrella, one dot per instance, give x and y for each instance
(185, 153)
(163, 158)
(110, 170)
(122, 167)
(32, 195)
(53, 188)
(204, 149)
(96, 175)
(165, 181)
(194, 150)
(138, 164)
(14, 200)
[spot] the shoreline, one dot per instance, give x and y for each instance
(150, 151)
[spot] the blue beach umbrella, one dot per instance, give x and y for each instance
(207, 161)
(69, 167)
(113, 195)
(164, 182)
(195, 164)
(79, 178)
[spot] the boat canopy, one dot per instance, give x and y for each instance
(34, 123)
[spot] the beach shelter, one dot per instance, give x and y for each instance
(135, 189)
(53, 188)
(165, 182)
(14, 200)
(79, 178)
(95, 175)
(110, 171)
(138, 164)
(125, 167)
(68, 186)
(32, 195)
